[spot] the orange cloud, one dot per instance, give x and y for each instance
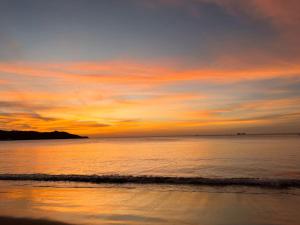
(111, 98)
(258, 111)
(30, 121)
(3, 82)
(128, 73)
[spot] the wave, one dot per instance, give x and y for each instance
(124, 179)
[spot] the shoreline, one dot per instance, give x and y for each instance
(155, 180)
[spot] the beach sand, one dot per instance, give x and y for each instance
(95, 204)
(27, 221)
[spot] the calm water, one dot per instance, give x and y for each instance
(83, 203)
(266, 157)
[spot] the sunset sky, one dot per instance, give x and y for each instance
(150, 67)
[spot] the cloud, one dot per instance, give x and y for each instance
(136, 98)
(3, 81)
(281, 13)
(33, 121)
(259, 110)
(23, 106)
(140, 73)
(275, 43)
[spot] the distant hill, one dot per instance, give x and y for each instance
(34, 135)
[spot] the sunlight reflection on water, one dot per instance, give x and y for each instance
(208, 157)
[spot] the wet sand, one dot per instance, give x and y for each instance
(4, 220)
(98, 204)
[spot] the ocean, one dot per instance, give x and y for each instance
(155, 180)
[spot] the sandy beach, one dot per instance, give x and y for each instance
(98, 204)
(4, 220)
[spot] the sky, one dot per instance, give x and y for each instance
(150, 67)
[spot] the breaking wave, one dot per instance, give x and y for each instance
(120, 179)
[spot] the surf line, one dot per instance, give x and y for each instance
(128, 179)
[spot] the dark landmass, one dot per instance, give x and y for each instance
(28, 221)
(34, 135)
